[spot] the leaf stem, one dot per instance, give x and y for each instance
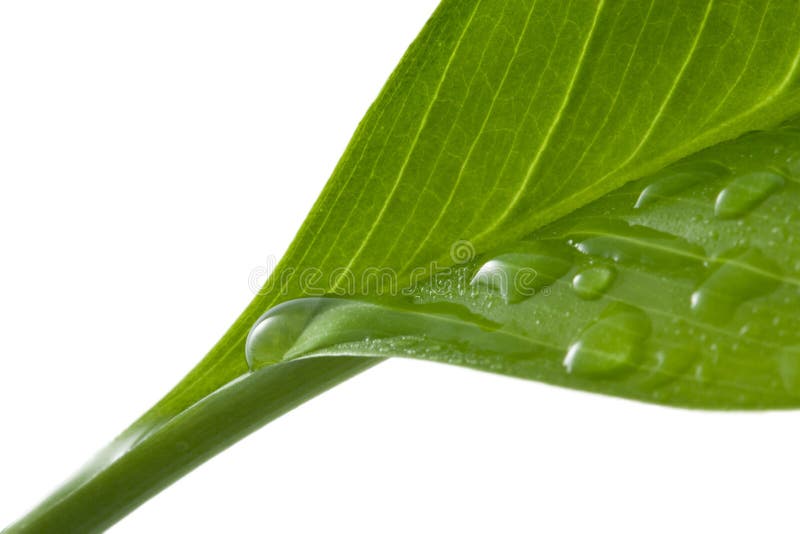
(154, 452)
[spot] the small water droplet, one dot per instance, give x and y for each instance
(611, 345)
(745, 193)
(592, 282)
(671, 362)
(702, 372)
(745, 329)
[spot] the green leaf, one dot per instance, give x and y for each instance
(503, 117)
(681, 288)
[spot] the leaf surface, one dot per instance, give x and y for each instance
(681, 288)
(502, 118)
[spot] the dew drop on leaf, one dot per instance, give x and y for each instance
(592, 282)
(324, 325)
(611, 345)
(635, 244)
(741, 276)
(672, 362)
(745, 193)
(679, 179)
(275, 332)
(517, 275)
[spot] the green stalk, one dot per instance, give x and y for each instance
(216, 405)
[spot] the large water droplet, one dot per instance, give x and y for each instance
(679, 179)
(592, 282)
(277, 331)
(635, 244)
(745, 193)
(312, 325)
(741, 276)
(518, 274)
(611, 345)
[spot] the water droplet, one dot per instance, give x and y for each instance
(592, 282)
(301, 327)
(745, 193)
(635, 244)
(703, 373)
(679, 179)
(672, 362)
(518, 274)
(611, 345)
(741, 276)
(277, 331)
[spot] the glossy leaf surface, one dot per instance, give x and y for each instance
(678, 295)
(502, 118)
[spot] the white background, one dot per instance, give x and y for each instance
(152, 154)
